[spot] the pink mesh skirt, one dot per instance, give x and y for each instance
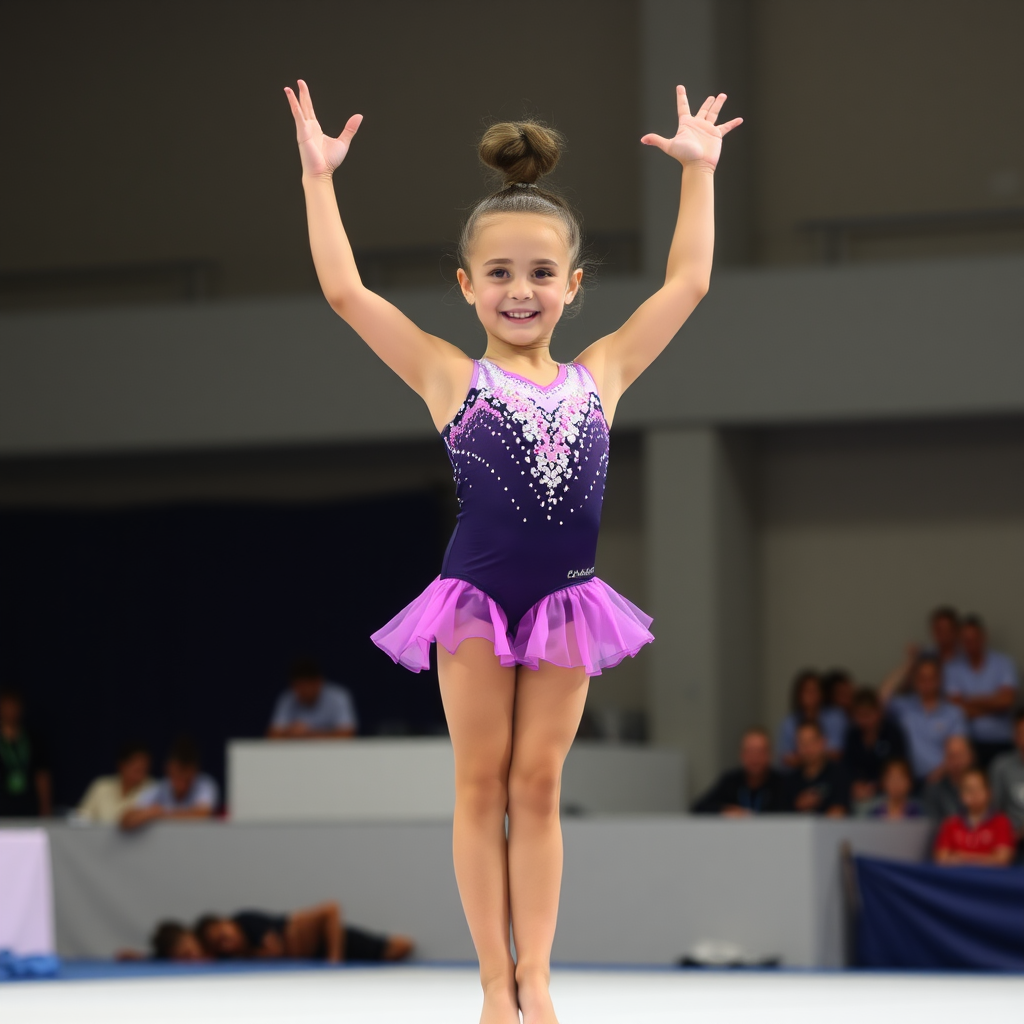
(587, 625)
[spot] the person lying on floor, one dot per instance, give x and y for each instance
(171, 940)
(315, 933)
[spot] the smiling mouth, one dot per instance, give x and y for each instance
(520, 315)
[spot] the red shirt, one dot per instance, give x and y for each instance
(958, 836)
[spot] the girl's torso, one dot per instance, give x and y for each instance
(530, 463)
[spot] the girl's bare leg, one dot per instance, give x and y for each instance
(548, 707)
(478, 696)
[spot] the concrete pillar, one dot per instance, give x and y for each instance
(702, 591)
(704, 45)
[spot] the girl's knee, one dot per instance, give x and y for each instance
(534, 790)
(481, 794)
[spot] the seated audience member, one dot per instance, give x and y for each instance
(942, 796)
(977, 836)
(871, 741)
(26, 786)
(185, 792)
(817, 785)
(173, 941)
(753, 788)
(109, 796)
(927, 718)
(317, 933)
(808, 705)
(839, 689)
(895, 802)
(1007, 774)
(983, 684)
(312, 708)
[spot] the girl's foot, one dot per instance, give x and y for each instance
(500, 1005)
(534, 997)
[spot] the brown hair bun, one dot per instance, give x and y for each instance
(522, 151)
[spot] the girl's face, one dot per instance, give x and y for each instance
(896, 784)
(974, 794)
(519, 279)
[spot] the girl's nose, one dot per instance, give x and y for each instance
(520, 290)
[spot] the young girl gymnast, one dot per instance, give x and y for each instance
(520, 620)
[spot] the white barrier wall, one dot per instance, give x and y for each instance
(413, 780)
(636, 890)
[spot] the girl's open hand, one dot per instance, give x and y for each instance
(321, 155)
(698, 140)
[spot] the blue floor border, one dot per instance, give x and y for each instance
(106, 970)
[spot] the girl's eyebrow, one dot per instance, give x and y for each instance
(553, 263)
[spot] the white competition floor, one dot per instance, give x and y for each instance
(432, 995)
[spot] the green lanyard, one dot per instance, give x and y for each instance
(15, 757)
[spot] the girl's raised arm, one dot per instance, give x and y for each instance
(436, 370)
(617, 359)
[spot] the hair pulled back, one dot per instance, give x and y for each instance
(522, 152)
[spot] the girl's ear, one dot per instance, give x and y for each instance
(466, 285)
(574, 285)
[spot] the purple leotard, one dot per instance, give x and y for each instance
(530, 464)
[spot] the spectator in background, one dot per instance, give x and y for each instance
(26, 785)
(109, 796)
(753, 788)
(317, 933)
(927, 718)
(895, 802)
(807, 700)
(1007, 774)
(839, 689)
(983, 684)
(872, 740)
(312, 708)
(817, 785)
(942, 796)
(184, 794)
(944, 624)
(978, 836)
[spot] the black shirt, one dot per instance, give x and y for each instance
(831, 784)
(20, 760)
(255, 924)
(733, 790)
(864, 763)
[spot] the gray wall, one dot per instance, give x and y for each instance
(865, 529)
(636, 890)
(886, 341)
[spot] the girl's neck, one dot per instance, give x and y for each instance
(534, 358)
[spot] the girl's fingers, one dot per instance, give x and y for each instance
(655, 140)
(716, 107)
(682, 104)
(306, 101)
(293, 103)
(724, 129)
(351, 127)
(705, 107)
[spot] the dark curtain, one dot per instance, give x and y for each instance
(148, 623)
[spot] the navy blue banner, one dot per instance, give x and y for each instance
(926, 916)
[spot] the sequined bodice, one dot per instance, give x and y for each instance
(530, 464)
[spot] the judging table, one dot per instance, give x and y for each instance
(26, 892)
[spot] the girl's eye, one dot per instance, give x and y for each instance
(545, 273)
